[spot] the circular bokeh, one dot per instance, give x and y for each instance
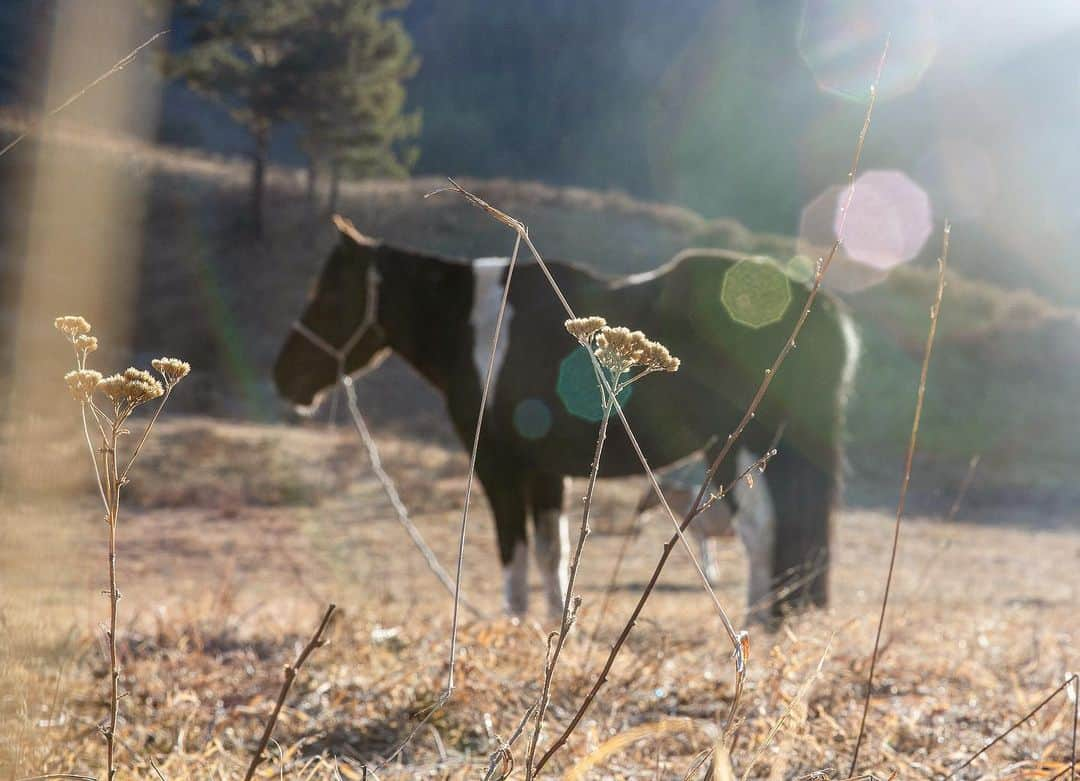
(578, 390)
(756, 292)
(532, 418)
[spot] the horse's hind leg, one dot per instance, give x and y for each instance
(552, 534)
(803, 491)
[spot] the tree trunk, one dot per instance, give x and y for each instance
(311, 187)
(258, 177)
(335, 186)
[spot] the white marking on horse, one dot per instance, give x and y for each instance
(853, 346)
(641, 277)
(516, 581)
(755, 524)
(552, 550)
(487, 295)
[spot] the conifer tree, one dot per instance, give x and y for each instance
(355, 122)
(336, 68)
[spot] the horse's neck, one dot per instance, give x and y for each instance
(425, 309)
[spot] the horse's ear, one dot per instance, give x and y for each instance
(345, 226)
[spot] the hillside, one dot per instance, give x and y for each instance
(1005, 369)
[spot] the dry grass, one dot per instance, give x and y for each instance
(221, 595)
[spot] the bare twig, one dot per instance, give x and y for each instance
(290, 673)
(601, 679)
(934, 312)
(819, 276)
(965, 484)
(502, 753)
(609, 590)
(122, 63)
(569, 610)
(799, 695)
(390, 490)
(1072, 680)
(452, 656)
(736, 638)
(472, 467)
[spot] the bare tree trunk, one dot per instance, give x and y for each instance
(258, 177)
(311, 187)
(335, 187)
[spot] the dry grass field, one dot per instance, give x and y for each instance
(239, 534)
(235, 534)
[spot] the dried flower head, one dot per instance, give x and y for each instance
(130, 389)
(113, 388)
(618, 349)
(171, 369)
(72, 326)
(583, 328)
(82, 383)
(141, 386)
(657, 357)
(86, 344)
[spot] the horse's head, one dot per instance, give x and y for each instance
(340, 319)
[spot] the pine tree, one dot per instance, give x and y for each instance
(355, 121)
(245, 54)
(335, 67)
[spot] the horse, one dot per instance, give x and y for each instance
(540, 426)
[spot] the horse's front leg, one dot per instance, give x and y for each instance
(506, 491)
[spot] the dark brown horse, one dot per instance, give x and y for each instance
(438, 314)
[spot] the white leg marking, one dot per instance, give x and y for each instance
(756, 526)
(516, 581)
(487, 295)
(552, 552)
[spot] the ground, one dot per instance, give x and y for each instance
(236, 536)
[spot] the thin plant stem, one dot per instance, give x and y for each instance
(146, 432)
(934, 312)
(616, 647)
(799, 696)
(609, 590)
(504, 750)
(568, 611)
(122, 63)
(387, 483)
(448, 692)
(290, 673)
(114, 598)
(736, 638)
(472, 469)
(1072, 680)
(93, 456)
(522, 231)
(819, 275)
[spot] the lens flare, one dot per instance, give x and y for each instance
(841, 41)
(532, 418)
(889, 222)
(578, 390)
(756, 292)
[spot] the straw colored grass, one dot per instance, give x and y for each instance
(219, 596)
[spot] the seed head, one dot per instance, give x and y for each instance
(113, 388)
(86, 344)
(583, 328)
(82, 383)
(617, 349)
(171, 369)
(141, 386)
(72, 326)
(128, 390)
(657, 357)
